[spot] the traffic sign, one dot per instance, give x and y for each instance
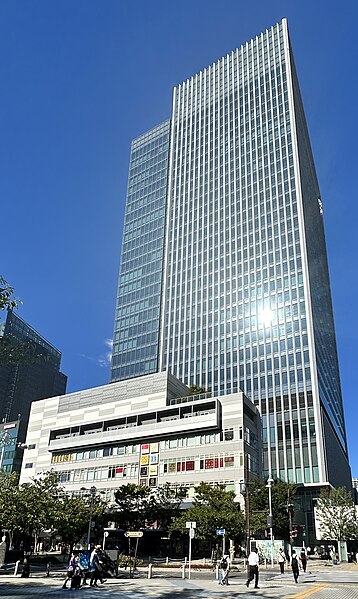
(190, 525)
(134, 534)
(220, 531)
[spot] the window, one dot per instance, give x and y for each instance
(111, 472)
(8, 455)
(229, 434)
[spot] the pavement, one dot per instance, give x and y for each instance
(319, 582)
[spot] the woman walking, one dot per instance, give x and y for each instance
(71, 568)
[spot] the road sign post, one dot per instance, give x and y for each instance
(105, 535)
(133, 534)
(221, 532)
(191, 526)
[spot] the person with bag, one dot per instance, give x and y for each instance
(282, 560)
(295, 566)
(95, 566)
(71, 568)
(224, 570)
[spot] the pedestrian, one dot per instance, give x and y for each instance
(26, 568)
(253, 564)
(71, 568)
(282, 560)
(303, 558)
(295, 566)
(224, 569)
(95, 566)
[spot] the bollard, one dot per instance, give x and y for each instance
(183, 571)
(48, 567)
(185, 560)
(167, 560)
(217, 572)
(16, 567)
(150, 570)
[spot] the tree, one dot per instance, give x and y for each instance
(73, 514)
(336, 515)
(138, 506)
(131, 505)
(37, 505)
(259, 507)
(28, 508)
(11, 350)
(197, 390)
(7, 299)
(213, 508)
(43, 505)
(164, 503)
(9, 491)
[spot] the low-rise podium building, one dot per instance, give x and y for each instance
(147, 430)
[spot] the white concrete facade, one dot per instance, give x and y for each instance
(147, 430)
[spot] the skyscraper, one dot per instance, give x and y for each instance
(240, 294)
(22, 383)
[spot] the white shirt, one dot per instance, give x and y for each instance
(281, 557)
(253, 559)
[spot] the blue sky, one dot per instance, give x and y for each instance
(80, 79)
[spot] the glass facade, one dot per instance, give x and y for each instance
(35, 378)
(136, 332)
(9, 458)
(246, 300)
(235, 313)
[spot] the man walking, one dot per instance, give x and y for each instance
(95, 566)
(253, 563)
(282, 560)
(295, 566)
(224, 570)
(303, 558)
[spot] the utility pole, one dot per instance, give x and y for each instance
(290, 512)
(247, 514)
(270, 516)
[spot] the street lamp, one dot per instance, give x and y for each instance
(270, 516)
(290, 510)
(92, 492)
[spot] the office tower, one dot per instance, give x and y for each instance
(137, 322)
(245, 292)
(32, 379)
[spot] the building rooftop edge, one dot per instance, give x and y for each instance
(184, 81)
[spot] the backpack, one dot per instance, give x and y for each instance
(223, 563)
(294, 562)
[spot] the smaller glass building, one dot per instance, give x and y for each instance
(35, 377)
(137, 319)
(9, 456)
